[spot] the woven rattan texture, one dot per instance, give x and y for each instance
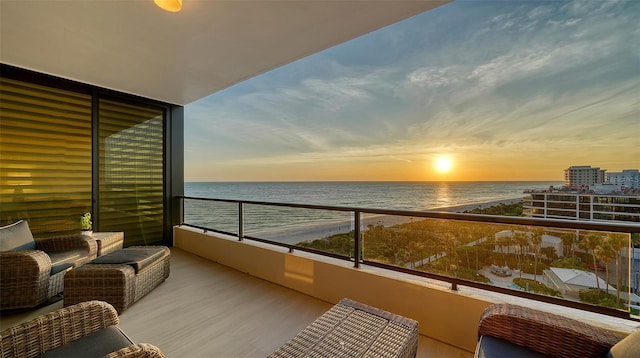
(55, 329)
(108, 241)
(24, 275)
(24, 278)
(351, 329)
(138, 350)
(68, 242)
(56, 284)
(115, 283)
(547, 333)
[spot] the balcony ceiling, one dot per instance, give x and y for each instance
(134, 47)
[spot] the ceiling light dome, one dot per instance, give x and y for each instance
(169, 5)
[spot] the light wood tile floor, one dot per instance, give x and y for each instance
(208, 310)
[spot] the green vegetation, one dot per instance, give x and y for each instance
(600, 298)
(431, 245)
(535, 286)
(514, 209)
(341, 244)
(570, 263)
(461, 249)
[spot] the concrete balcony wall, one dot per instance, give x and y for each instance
(444, 315)
(447, 316)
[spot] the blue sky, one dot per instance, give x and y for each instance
(506, 90)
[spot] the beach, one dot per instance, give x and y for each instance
(308, 232)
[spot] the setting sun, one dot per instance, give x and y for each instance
(443, 165)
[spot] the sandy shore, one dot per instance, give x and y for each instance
(469, 207)
(296, 234)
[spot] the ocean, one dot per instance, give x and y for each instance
(271, 222)
(376, 195)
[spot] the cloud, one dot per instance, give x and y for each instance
(548, 78)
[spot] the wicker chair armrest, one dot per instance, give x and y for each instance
(547, 333)
(24, 278)
(24, 265)
(56, 329)
(137, 350)
(68, 242)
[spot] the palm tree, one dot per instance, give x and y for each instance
(536, 240)
(568, 240)
(549, 252)
(522, 241)
(606, 254)
(618, 242)
(591, 242)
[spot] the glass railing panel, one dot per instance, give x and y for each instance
(575, 264)
(323, 230)
(584, 266)
(220, 216)
(438, 246)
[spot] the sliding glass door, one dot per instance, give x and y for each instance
(130, 171)
(67, 149)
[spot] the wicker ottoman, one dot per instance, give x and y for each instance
(352, 329)
(120, 278)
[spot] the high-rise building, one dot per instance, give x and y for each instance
(627, 179)
(583, 176)
(582, 206)
(590, 194)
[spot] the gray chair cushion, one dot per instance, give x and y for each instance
(97, 344)
(16, 237)
(136, 257)
(491, 347)
(629, 347)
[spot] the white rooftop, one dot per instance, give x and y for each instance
(579, 278)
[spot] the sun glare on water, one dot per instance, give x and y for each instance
(443, 165)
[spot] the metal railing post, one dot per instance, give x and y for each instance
(240, 221)
(181, 206)
(357, 239)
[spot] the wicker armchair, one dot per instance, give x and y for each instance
(88, 329)
(510, 330)
(32, 271)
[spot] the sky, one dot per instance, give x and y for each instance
(470, 91)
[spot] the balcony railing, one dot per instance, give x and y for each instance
(579, 264)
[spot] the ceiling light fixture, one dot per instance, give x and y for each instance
(169, 5)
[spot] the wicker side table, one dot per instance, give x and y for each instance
(108, 241)
(352, 329)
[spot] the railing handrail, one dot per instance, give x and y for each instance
(624, 227)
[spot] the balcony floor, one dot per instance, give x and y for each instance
(205, 309)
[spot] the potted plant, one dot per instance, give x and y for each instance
(86, 224)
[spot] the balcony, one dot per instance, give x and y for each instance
(206, 309)
(224, 297)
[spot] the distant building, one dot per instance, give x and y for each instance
(617, 199)
(581, 176)
(582, 206)
(627, 179)
(589, 194)
(570, 281)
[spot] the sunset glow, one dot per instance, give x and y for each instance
(506, 90)
(443, 164)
